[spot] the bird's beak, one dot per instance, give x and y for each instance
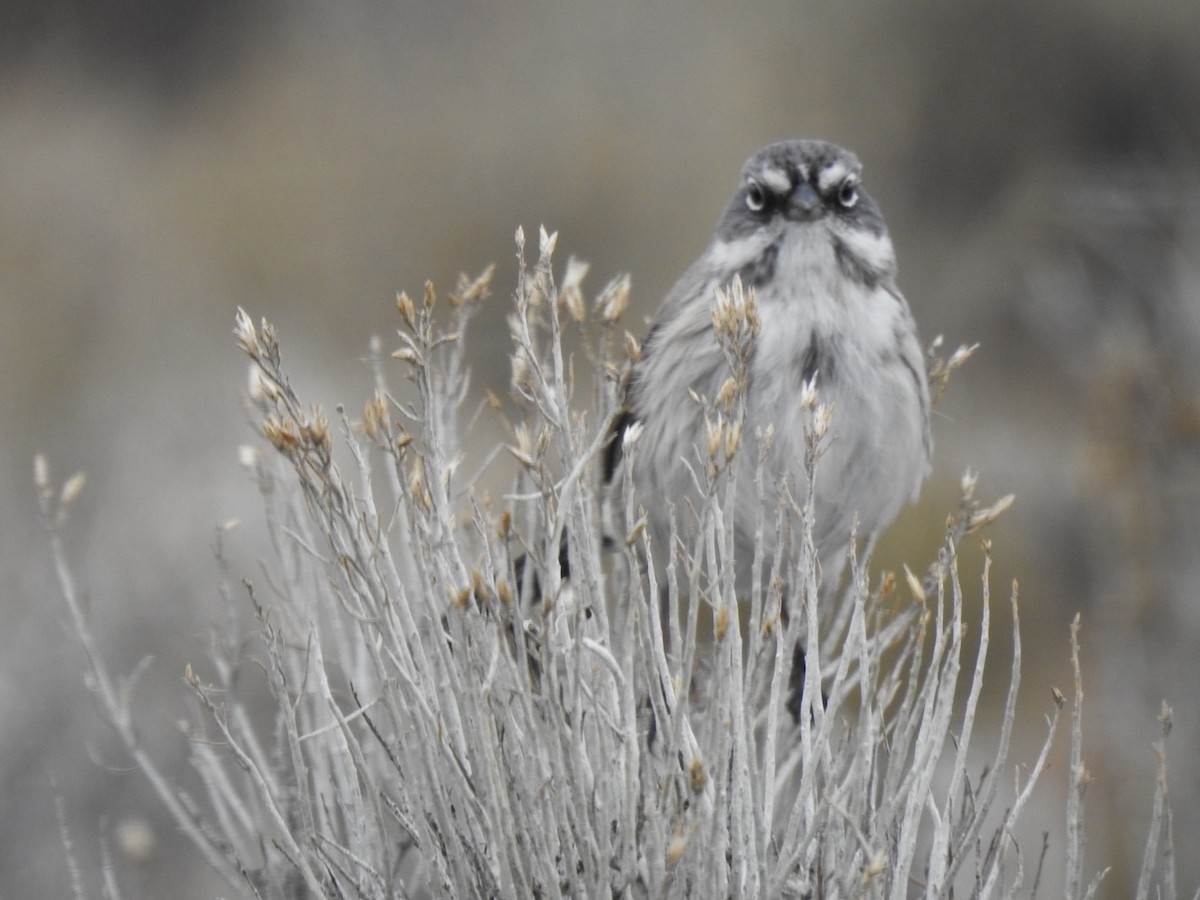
(804, 199)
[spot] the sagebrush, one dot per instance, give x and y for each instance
(455, 718)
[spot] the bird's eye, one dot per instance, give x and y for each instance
(848, 193)
(756, 199)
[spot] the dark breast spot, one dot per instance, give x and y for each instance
(819, 358)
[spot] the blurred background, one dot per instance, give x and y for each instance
(161, 164)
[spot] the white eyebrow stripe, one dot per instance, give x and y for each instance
(774, 179)
(833, 175)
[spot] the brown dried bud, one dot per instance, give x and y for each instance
(460, 598)
(408, 313)
(243, 330)
(504, 592)
(721, 623)
(570, 294)
(614, 299)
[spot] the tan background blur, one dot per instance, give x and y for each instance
(162, 163)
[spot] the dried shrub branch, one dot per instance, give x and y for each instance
(454, 717)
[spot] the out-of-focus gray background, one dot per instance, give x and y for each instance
(162, 163)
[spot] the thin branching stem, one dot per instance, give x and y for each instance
(536, 696)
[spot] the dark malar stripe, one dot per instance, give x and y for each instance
(855, 267)
(761, 269)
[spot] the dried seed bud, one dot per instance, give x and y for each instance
(635, 535)
(735, 315)
(281, 433)
(914, 584)
(504, 592)
(546, 242)
(632, 435)
(887, 587)
(479, 588)
(876, 867)
(614, 299)
(72, 488)
(633, 349)
(721, 623)
(243, 330)
(727, 393)
(524, 443)
(408, 313)
(316, 432)
(713, 435)
(460, 597)
(961, 355)
(375, 417)
(573, 301)
(571, 291)
(733, 439)
(524, 447)
(697, 775)
(135, 839)
(41, 473)
(808, 393)
(472, 291)
(523, 458)
(822, 419)
(968, 482)
(676, 848)
(982, 517)
(416, 476)
(267, 335)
